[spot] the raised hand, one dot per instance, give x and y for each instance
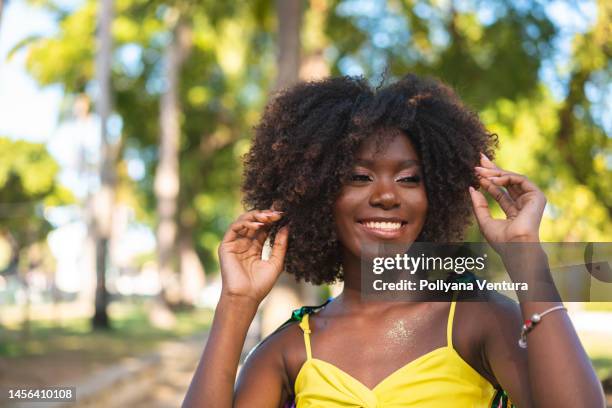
(522, 202)
(243, 272)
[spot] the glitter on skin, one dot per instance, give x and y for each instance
(399, 334)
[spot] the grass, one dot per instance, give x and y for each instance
(599, 349)
(598, 306)
(131, 334)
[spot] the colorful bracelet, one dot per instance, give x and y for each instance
(529, 324)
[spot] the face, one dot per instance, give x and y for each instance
(385, 200)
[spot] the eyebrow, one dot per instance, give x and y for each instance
(370, 163)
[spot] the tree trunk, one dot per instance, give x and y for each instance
(104, 198)
(192, 272)
(167, 174)
(289, 14)
(313, 65)
(1, 10)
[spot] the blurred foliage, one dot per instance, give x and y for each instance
(28, 184)
(492, 52)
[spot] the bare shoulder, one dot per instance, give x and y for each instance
(504, 358)
(487, 329)
(277, 346)
(494, 317)
(267, 366)
(498, 309)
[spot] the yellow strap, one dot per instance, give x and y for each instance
(306, 329)
(449, 325)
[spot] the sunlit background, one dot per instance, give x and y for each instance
(108, 234)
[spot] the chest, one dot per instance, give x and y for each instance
(371, 350)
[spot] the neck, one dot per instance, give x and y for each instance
(353, 295)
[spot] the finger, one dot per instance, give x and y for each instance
(515, 193)
(247, 216)
(237, 229)
(253, 228)
(253, 214)
(500, 195)
(491, 169)
(279, 249)
(241, 226)
(530, 200)
(488, 173)
(244, 229)
(481, 208)
(521, 183)
(267, 217)
(486, 162)
(261, 235)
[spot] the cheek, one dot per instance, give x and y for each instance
(340, 218)
(343, 217)
(424, 203)
(420, 205)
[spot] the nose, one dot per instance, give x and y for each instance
(384, 195)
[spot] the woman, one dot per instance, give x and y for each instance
(341, 166)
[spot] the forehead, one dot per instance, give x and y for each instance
(387, 144)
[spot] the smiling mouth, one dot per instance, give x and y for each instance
(383, 229)
(384, 225)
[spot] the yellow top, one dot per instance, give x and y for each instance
(440, 378)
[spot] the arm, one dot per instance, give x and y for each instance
(213, 380)
(265, 370)
(554, 371)
(247, 279)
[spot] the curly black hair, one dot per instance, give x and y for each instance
(305, 144)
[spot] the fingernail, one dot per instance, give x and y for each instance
(471, 189)
(485, 156)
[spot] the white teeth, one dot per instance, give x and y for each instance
(383, 225)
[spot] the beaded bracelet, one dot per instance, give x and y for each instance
(529, 324)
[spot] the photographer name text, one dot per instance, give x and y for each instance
(440, 285)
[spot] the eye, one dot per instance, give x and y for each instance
(360, 177)
(410, 179)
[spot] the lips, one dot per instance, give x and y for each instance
(385, 228)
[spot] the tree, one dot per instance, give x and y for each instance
(579, 137)
(27, 185)
(105, 197)
(289, 15)
(232, 66)
(211, 123)
(167, 182)
(1, 10)
(494, 63)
